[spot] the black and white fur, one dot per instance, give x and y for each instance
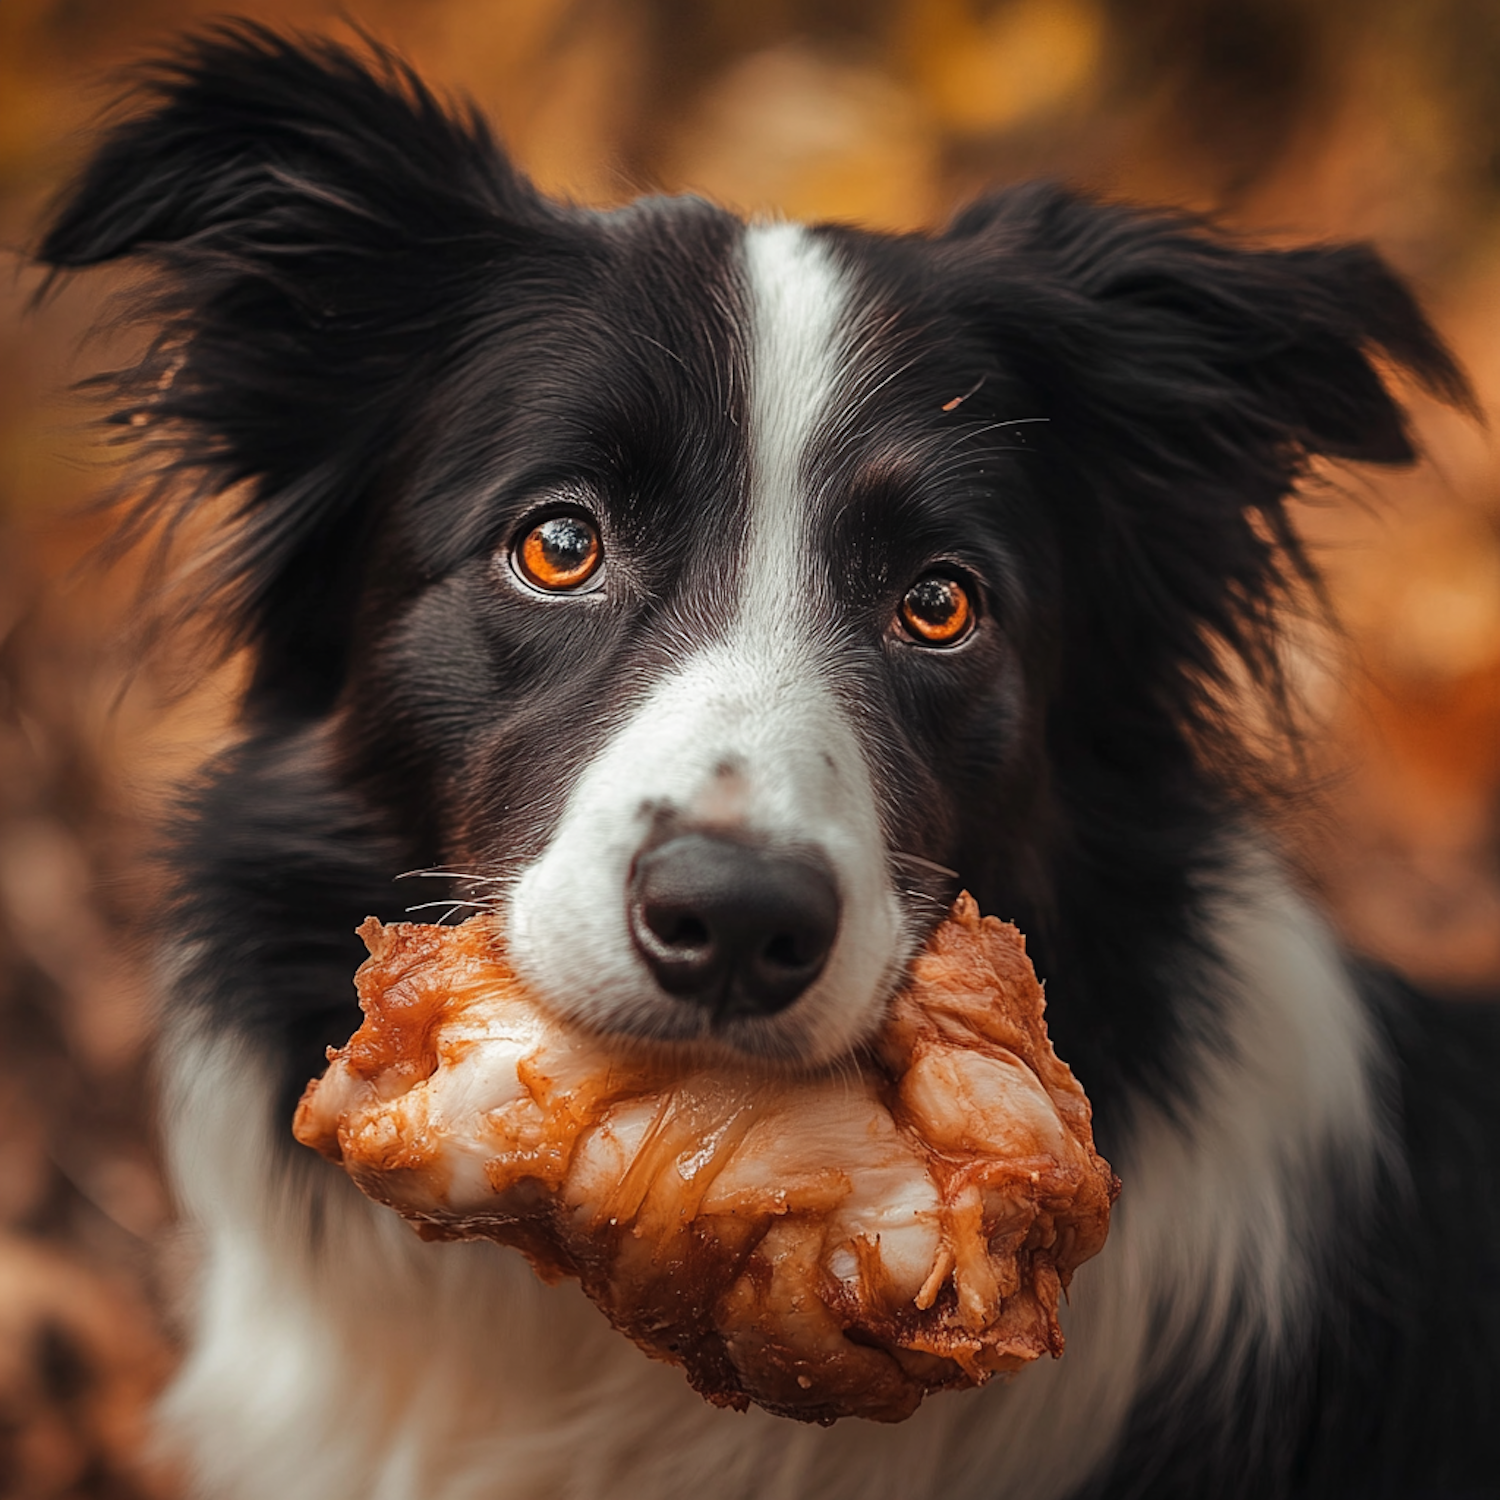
(388, 355)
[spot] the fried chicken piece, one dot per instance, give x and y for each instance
(836, 1244)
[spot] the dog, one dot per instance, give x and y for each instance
(716, 600)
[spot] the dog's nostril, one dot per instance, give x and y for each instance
(676, 929)
(735, 928)
(785, 950)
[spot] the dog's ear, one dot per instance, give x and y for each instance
(314, 224)
(1186, 384)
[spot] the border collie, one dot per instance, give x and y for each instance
(828, 572)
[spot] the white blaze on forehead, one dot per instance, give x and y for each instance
(797, 353)
(745, 731)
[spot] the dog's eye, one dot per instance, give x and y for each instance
(936, 611)
(560, 553)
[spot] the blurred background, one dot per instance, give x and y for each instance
(1291, 119)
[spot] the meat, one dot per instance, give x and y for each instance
(836, 1244)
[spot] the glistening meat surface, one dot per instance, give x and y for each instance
(837, 1244)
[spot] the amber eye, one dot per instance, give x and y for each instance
(560, 553)
(937, 611)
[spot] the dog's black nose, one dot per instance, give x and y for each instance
(736, 929)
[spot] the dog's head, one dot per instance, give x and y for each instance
(723, 597)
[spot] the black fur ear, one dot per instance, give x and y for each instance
(316, 224)
(1187, 382)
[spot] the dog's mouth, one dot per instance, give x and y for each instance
(708, 1031)
(722, 946)
(734, 948)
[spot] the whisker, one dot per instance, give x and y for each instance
(926, 864)
(441, 874)
(971, 434)
(443, 919)
(926, 896)
(449, 907)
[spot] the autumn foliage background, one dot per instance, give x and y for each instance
(1290, 119)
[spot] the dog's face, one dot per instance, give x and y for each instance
(699, 612)
(719, 598)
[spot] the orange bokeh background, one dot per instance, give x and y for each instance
(1290, 119)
